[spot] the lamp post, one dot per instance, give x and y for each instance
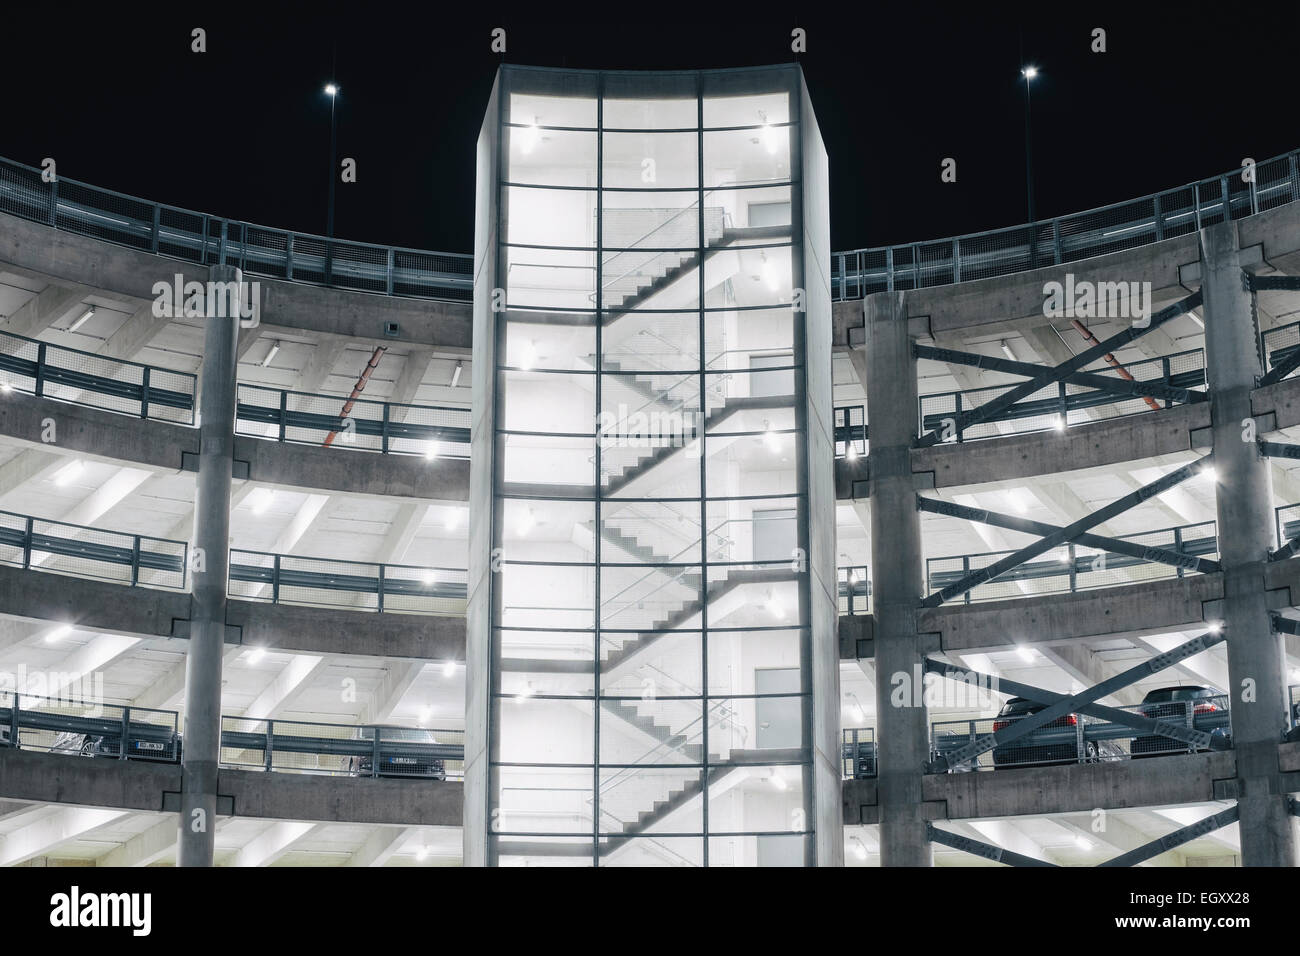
(332, 91)
(1029, 72)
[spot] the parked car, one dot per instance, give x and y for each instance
(1198, 706)
(164, 746)
(1055, 742)
(397, 756)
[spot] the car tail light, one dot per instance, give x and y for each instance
(1204, 709)
(1000, 725)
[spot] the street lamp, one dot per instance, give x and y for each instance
(1029, 73)
(332, 91)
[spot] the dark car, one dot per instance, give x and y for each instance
(403, 752)
(1059, 741)
(1195, 705)
(162, 745)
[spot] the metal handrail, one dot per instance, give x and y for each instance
(43, 373)
(390, 270)
(1075, 564)
(131, 553)
(1171, 212)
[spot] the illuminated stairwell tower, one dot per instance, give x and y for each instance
(653, 657)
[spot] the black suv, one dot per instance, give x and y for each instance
(1196, 705)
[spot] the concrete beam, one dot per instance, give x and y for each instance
(380, 846)
(120, 271)
(137, 785)
(144, 848)
(48, 307)
(1154, 607)
(148, 612)
(1080, 788)
(272, 843)
(49, 832)
(288, 796)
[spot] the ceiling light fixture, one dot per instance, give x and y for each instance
(449, 669)
(271, 353)
(58, 634)
(83, 320)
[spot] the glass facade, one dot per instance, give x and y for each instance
(649, 689)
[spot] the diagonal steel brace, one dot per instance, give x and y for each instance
(1148, 725)
(1190, 562)
(1102, 383)
(1050, 375)
(1177, 838)
(1277, 449)
(1070, 705)
(1068, 533)
(979, 848)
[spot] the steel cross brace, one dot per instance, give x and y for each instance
(1190, 562)
(979, 848)
(1049, 376)
(1102, 383)
(1287, 550)
(1278, 282)
(1070, 705)
(1284, 625)
(1276, 449)
(1148, 725)
(1281, 370)
(1184, 835)
(1069, 533)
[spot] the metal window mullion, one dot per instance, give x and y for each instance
(704, 491)
(597, 489)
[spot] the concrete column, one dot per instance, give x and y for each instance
(1244, 503)
(902, 729)
(211, 542)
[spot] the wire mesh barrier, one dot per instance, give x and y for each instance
(1060, 404)
(71, 721)
(1287, 518)
(209, 240)
(1079, 738)
(858, 753)
(1280, 344)
(1293, 710)
(360, 585)
(1075, 567)
(854, 590)
(1081, 235)
(290, 746)
(364, 425)
(84, 378)
(850, 431)
(62, 548)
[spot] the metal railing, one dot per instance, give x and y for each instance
(1061, 404)
(1078, 738)
(857, 753)
(47, 370)
(358, 585)
(72, 724)
(1069, 238)
(278, 253)
(386, 427)
(1279, 344)
(850, 431)
(294, 746)
(1073, 567)
(1287, 520)
(62, 548)
(210, 240)
(854, 589)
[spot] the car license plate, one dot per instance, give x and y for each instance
(148, 745)
(404, 760)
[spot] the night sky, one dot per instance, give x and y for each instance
(242, 131)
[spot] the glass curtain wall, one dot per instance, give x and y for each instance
(650, 687)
